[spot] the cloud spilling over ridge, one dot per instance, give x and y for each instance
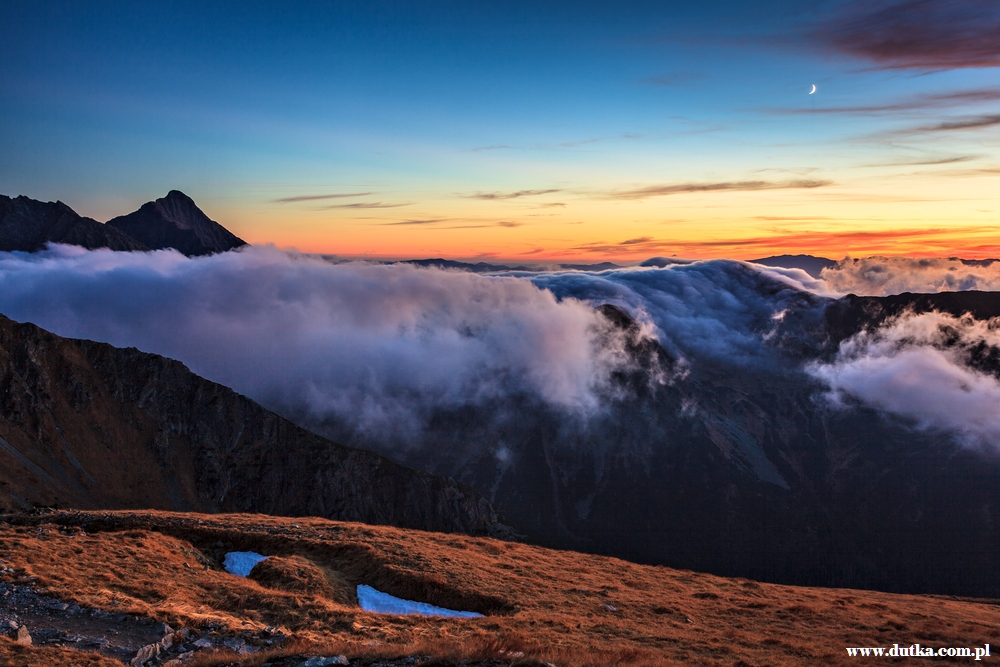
(881, 276)
(722, 311)
(375, 344)
(382, 346)
(918, 34)
(923, 367)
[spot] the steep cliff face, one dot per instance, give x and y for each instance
(27, 225)
(88, 425)
(175, 221)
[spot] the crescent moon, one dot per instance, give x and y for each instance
(813, 90)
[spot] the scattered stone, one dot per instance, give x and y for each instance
(204, 642)
(8, 626)
(607, 607)
(235, 644)
(145, 654)
(23, 636)
(325, 662)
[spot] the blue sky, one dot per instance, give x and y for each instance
(420, 107)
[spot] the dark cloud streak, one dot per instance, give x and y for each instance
(292, 200)
(687, 188)
(918, 34)
(375, 204)
(491, 196)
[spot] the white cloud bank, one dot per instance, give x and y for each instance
(380, 347)
(374, 344)
(918, 366)
(882, 276)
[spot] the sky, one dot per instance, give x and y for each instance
(521, 131)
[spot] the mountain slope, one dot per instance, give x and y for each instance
(175, 221)
(27, 225)
(539, 605)
(88, 425)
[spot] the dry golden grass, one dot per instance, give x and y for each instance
(16, 655)
(556, 606)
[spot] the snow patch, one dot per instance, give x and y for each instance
(383, 603)
(241, 562)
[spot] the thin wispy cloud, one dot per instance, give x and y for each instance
(807, 241)
(560, 145)
(688, 188)
(503, 223)
(292, 200)
(913, 103)
(917, 34)
(920, 162)
(363, 204)
(429, 221)
(489, 196)
(968, 123)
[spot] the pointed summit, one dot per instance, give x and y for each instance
(175, 221)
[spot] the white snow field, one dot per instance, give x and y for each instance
(241, 562)
(383, 603)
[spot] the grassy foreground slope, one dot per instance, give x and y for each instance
(551, 606)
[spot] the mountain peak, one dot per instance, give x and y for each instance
(27, 225)
(175, 221)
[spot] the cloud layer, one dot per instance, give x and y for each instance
(919, 34)
(881, 276)
(378, 345)
(383, 348)
(922, 367)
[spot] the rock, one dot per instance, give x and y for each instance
(234, 644)
(163, 629)
(145, 654)
(204, 642)
(167, 641)
(325, 662)
(607, 607)
(23, 636)
(183, 633)
(8, 625)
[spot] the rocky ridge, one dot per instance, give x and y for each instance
(174, 221)
(26, 225)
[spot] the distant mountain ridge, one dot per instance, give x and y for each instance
(174, 221)
(808, 263)
(27, 225)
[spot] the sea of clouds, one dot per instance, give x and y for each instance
(381, 346)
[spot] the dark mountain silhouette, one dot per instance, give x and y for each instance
(808, 263)
(88, 425)
(27, 225)
(175, 221)
(478, 267)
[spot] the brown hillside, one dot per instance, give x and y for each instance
(92, 426)
(556, 606)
